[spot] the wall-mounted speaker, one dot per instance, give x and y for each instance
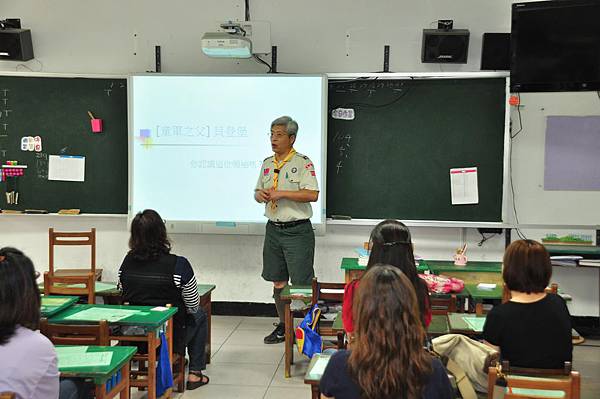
(445, 46)
(15, 44)
(495, 52)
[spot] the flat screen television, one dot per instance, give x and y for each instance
(555, 46)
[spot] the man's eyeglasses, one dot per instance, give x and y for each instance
(277, 135)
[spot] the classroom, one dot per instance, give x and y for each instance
(114, 107)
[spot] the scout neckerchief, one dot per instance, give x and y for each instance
(278, 167)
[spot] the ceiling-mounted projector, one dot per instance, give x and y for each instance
(238, 39)
(226, 45)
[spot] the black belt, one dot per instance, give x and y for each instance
(285, 225)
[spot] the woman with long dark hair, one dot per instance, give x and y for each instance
(151, 275)
(387, 359)
(391, 244)
(27, 358)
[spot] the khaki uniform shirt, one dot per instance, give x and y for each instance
(297, 174)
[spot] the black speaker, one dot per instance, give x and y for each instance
(495, 52)
(15, 44)
(445, 46)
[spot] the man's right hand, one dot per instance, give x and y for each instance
(262, 196)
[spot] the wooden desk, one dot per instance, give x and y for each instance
(152, 320)
(118, 368)
(52, 304)
(292, 292)
(78, 272)
(314, 378)
(353, 271)
(438, 326)
(474, 272)
(479, 295)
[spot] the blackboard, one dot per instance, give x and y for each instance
(393, 159)
(56, 109)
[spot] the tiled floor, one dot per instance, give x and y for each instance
(243, 367)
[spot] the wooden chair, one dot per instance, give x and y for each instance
(76, 334)
(329, 293)
(442, 305)
(55, 280)
(552, 289)
(520, 381)
(8, 395)
(140, 376)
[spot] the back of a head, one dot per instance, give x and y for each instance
(19, 294)
(526, 267)
(389, 336)
(148, 238)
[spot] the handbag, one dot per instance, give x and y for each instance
(309, 342)
(468, 361)
(442, 284)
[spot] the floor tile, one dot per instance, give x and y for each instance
(214, 391)
(297, 372)
(288, 392)
(250, 338)
(264, 354)
(264, 324)
(241, 374)
(220, 335)
(228, 322)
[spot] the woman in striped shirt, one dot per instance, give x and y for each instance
(151, 275)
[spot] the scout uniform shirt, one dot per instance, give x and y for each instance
(296, 174)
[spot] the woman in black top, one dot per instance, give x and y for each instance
(533, 329)
(151, 275)
(387, 359)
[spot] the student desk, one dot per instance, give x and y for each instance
(479, 295)
(438, 326)
(352, 270)
(52, 304)
(313, 376)
(152, 320)
(302, 292)
(121, 357)
(458, 325)
(473, 272)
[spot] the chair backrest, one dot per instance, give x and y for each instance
(328, 292)
(73, 334)
(553, 289)
(443, 305)
(8, 395)
(63, 285)
(56, 238)
(532, 382)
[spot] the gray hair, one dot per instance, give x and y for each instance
(291, 126)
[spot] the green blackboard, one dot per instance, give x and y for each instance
(394, 159)
(56, 109)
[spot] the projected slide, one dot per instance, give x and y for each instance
(197, 142)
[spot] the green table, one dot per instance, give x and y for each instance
(438, 326)
(458, 325)
(153, 321)
(352, 270)
(582, 250)
(121, 356)
(473, 272)
(478, 296)
(315, 370)
(52, 304)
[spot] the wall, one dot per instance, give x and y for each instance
(117, 37)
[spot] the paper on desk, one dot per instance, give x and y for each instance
(97, 314)
(307, 291)
(332, 291)
(71, 349)
(66, 168)
(89, 359)
(476, 323)
(320, 365)
(48, 301)
(486, 286)
(463, 186)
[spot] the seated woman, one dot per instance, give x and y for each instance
(151, 275)
(387, 359)
(29, 365)
(533, 329)
(390, 244)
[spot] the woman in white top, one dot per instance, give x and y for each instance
(28, 365)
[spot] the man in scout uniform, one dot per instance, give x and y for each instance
(287, 184)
